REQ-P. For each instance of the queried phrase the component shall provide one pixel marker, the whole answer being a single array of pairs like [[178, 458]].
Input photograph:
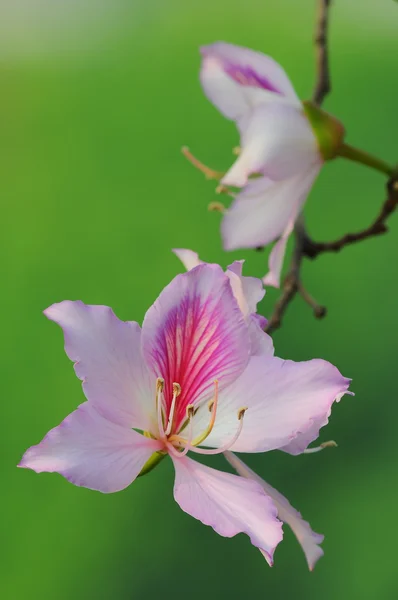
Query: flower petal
[[275, 260], [189, 258], [261, 342], [278, 142], [262, 211], [252, 288], [303, 439], [308, 539], [227, 503], [237, 79], [107, 355], [91, 451], [287, 403], [195, 334]]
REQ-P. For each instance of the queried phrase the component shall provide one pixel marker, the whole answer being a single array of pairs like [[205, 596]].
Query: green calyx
[[152, 462], [328, 130]]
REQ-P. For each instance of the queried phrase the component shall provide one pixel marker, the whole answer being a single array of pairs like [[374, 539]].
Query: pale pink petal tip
[[228, 503], [307, 538], [189, 258]]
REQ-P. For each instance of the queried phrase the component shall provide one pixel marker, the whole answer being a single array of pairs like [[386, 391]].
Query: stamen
[[207, 171], [213, 408], [176, 393], [216, 207], [224, 189], [185, 443], [159, 407], [226, 446], [190, 414], [329, 444]]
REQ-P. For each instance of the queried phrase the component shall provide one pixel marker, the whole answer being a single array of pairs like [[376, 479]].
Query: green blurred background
[[96, 100]]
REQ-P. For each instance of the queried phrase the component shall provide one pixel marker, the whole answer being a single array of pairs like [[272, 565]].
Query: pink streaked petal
[[227, 503], [189, 258], [308, 539], [195, 334], [107, 355], [91, 451], [284, 400], [237, 79], [262, 211], [278, 142]]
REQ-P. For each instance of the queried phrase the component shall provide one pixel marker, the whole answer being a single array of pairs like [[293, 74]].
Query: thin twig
[[323, 84], [312, 249], [291, 283]]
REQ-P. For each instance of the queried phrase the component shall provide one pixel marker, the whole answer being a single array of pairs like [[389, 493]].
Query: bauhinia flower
[[282, 141], [186, 382], [277, 142]]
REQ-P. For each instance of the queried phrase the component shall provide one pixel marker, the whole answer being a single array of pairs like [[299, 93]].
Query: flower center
[[179, 445]]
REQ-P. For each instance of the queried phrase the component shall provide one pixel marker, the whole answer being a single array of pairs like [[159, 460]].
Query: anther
[[190, 411], [159, 384], [176, 389], [241, 412], [329, 444], [216, 207], [176, 393]]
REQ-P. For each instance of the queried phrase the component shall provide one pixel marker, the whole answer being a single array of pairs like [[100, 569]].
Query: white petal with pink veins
[[195, 334]]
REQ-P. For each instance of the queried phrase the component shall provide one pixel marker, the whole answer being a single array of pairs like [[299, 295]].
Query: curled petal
[[90, 451], [189, 258], [278, 142], [308, 539], [227, 503], [107, 355], [263, 210], [252, 289], [302, 440], [286, 404], [195, 334], [275, 261], [237, 79]]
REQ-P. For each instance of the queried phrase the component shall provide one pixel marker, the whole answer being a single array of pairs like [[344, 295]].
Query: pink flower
[[277, 142], [186, 380]]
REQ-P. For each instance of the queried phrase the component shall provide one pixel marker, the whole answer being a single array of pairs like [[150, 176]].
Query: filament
[[159, 402], [213, 408], [176, 393]]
